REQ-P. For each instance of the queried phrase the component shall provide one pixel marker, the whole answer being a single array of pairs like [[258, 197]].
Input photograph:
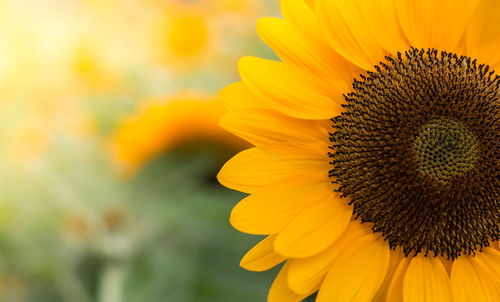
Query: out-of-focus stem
[[111, 283]]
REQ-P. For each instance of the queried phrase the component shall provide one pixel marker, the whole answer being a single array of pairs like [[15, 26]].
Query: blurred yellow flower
[[91, 70], [187, 35], [163, 124], [30, 139], [181, 34], [186, 32]]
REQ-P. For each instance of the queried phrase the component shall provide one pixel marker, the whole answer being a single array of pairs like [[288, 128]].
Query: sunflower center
[[417, 152], [445, 149]]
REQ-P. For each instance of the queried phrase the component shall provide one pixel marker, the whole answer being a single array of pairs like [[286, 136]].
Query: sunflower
[[182, 33], [164, 124], [376, 168], [186, 35]]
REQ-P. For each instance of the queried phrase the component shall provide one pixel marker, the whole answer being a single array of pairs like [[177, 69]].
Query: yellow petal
[[395, 290], [280, 292], [434, 24], [357, 273], [253, 168], [310, 98], [487, 271], [302, 51], [309, 158], [348, 33], [301, 15], [426, 280], [491, 257], [483, 33], [473, 4], [298, 13], [466, 283], [482, 265], [316, 228], [262, 256], [237, 96], [264, 126], [382, 19], [270, 209], [382, 294], [306, 274]]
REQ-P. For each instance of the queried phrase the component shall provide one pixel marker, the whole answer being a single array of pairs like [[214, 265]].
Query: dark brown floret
[[417, 152]]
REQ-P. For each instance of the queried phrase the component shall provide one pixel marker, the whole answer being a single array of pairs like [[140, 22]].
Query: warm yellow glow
[[238, 6], [188, 35], [30, 139], [92, 70], [56, 57]]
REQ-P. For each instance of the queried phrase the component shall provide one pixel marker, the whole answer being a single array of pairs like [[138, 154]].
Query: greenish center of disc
[[445, 148]]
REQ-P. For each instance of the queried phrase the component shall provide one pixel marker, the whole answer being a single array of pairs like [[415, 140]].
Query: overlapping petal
[[490, 257], [304, 51], [265, 126], [300, 14], [468, 284], [254, 168], [307, 273], [397, 257], [483, 33], [237, 96], [395, 290], [315, 228], [358, 271], [381, 17], [262, 256], [348, 33], [312, 97], [434, 24], [426, 279], [270, 210], [280, 292]]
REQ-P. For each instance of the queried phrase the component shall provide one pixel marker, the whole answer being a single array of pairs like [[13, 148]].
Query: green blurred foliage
[[170, 239]]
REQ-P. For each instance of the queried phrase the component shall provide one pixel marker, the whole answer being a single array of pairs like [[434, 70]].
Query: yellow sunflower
[[186, 34], [376, 166], [182, 33], [163, 124]]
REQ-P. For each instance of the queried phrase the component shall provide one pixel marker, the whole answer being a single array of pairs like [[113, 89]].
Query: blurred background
[[110, 147]]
